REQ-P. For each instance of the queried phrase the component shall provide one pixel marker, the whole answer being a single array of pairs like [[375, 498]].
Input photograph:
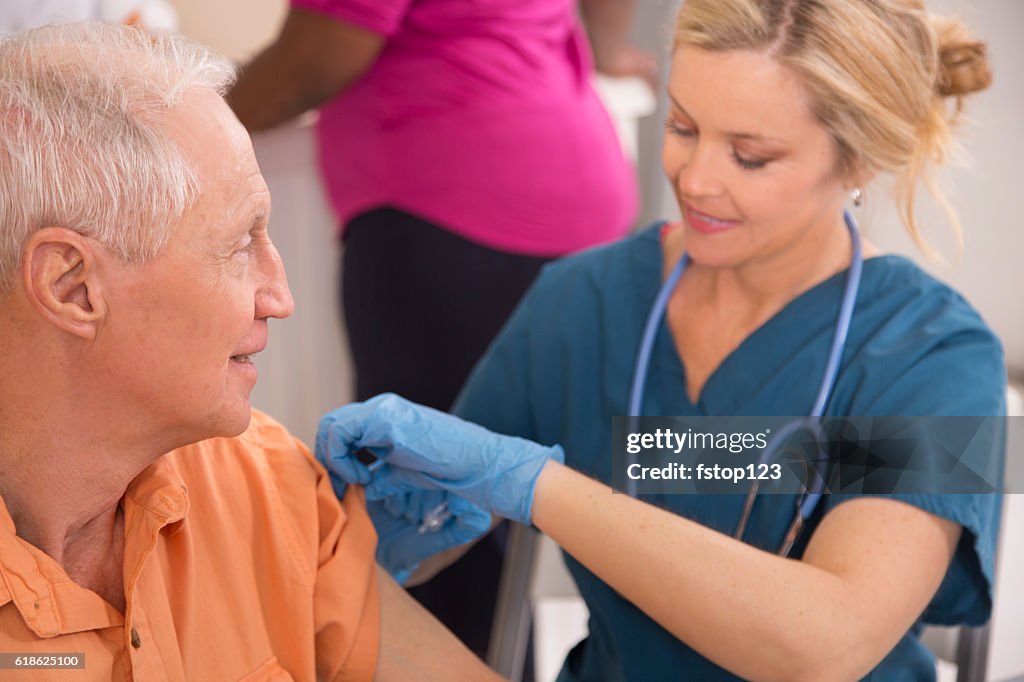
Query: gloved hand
[[403, 542], [424, 448]]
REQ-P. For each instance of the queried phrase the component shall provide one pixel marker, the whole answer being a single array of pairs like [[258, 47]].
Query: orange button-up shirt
[[239, 564]]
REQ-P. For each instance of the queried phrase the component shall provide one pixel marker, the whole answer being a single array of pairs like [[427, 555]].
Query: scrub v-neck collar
[[799, 323]]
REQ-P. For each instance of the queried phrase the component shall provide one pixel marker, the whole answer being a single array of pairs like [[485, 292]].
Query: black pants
[[421, 305]]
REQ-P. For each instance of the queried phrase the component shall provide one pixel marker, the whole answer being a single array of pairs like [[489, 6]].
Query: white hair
[[81, 140]]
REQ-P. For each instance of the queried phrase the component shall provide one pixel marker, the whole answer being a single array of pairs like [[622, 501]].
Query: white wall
[[237, 28]]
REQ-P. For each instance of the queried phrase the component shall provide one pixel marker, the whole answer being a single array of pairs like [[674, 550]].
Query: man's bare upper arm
[[416, 646]]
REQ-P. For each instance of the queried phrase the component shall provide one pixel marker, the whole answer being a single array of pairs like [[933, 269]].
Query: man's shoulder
[[262, 483]]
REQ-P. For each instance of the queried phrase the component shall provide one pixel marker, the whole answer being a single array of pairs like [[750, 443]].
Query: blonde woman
[[781, 111]]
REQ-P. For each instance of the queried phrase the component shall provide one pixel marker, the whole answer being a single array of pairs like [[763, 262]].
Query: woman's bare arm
[[313, 59], [869, 571]]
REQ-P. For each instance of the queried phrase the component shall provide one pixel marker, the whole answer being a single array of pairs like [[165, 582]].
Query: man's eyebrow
[[740, 135]]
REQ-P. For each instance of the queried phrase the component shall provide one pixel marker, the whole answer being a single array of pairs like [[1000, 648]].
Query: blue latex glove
[[431, 450], [401, 546]]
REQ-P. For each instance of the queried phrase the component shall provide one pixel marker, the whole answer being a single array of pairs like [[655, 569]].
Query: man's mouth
[[242, 358]]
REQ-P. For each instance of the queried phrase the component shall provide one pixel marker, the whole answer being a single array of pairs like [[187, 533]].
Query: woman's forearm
[[758, 615], [607, 23], [312, 60]]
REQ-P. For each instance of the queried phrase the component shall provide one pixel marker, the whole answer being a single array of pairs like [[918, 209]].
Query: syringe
[[433, 520]]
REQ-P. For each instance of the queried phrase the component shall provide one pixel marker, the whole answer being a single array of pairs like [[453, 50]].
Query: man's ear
[[59, 273]]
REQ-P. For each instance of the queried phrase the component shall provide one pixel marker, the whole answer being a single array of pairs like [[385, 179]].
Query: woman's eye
[[678, 129], [747, 163]]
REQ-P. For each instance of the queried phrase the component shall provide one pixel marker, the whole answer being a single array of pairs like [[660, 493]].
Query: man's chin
[[233, 422], [243, 421]]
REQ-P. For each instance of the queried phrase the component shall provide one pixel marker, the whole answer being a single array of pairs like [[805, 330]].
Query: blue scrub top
[[560, 370]]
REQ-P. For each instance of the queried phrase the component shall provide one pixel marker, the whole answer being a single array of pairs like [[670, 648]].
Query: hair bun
[[963, 61]]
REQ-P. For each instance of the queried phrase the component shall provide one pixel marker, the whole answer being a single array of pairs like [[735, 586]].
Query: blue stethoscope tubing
[[810, 494]]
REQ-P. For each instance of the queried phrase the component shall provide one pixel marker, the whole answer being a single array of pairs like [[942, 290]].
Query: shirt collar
[[161, 491], [48, 600]]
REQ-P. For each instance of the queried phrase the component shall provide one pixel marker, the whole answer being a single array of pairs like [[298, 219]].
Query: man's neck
[[94, 557], [64, 498], [57, 521]]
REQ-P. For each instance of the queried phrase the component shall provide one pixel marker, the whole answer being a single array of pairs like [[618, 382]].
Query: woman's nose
[[699, 174]]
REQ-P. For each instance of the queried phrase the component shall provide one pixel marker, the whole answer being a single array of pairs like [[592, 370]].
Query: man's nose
[[274, 298]]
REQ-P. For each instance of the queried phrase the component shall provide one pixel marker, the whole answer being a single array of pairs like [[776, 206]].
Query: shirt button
[[136, 642]]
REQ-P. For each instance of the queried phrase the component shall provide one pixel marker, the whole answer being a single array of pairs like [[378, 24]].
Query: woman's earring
[[858, 197]]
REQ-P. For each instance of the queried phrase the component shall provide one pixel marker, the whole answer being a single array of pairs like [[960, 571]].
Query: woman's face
[[755, 174]]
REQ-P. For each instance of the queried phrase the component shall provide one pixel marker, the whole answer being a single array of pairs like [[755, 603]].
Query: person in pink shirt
[[463, 147]]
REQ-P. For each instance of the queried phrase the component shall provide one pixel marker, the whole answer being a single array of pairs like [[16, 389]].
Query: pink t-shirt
[[479, 116]]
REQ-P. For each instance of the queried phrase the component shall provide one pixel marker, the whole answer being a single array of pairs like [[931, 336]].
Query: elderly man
[[149, 519]]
